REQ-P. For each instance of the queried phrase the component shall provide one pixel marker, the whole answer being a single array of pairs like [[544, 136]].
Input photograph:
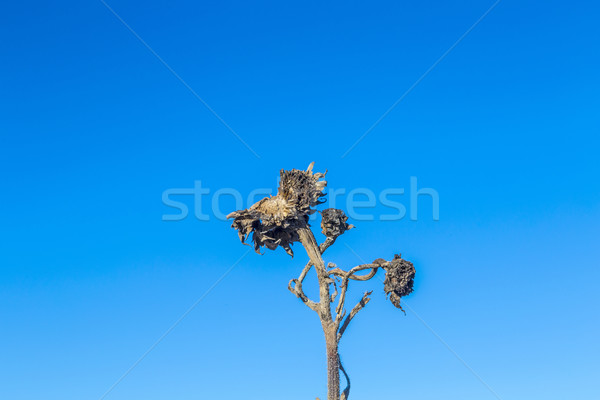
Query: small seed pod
[[333, 222], [399, 279]]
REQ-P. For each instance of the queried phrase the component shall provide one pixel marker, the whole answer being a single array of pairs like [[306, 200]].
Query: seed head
[[274, 221], [399, 279]]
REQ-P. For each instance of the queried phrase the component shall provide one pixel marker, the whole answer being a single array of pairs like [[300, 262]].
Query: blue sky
[[94, 128]]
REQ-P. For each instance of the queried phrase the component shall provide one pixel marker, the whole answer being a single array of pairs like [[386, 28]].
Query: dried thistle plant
[[282, 220]]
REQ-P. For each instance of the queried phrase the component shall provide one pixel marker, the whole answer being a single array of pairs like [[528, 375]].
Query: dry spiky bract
[[283, 220]]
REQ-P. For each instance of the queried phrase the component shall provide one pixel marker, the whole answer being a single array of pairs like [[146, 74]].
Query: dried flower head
[[333, 222], [302, 189], [399, 279], [273, 221]]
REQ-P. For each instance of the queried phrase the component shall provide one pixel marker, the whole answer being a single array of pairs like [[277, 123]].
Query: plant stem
[[333, 366], [329, 327]]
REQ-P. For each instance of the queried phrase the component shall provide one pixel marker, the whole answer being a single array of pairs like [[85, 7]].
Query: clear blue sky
[[94, 128]]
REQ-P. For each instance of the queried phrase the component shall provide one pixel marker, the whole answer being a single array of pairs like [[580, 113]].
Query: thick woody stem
[[324, 309], [331, 327]]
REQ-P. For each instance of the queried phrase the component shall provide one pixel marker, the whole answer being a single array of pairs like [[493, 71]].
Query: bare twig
[[335, 293], [346, 391], [296, 289], [363, 302], [322, 247], [340, 307], [351, 274], [346, 276]]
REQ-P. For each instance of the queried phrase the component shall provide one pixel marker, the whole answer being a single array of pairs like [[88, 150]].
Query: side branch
[[295, 285], [346, 392], [296, 289], [322, 247], [346, 276], [361, 304], [351, 274]]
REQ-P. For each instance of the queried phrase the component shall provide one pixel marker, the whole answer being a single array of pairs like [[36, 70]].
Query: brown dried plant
[[282, 220]]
